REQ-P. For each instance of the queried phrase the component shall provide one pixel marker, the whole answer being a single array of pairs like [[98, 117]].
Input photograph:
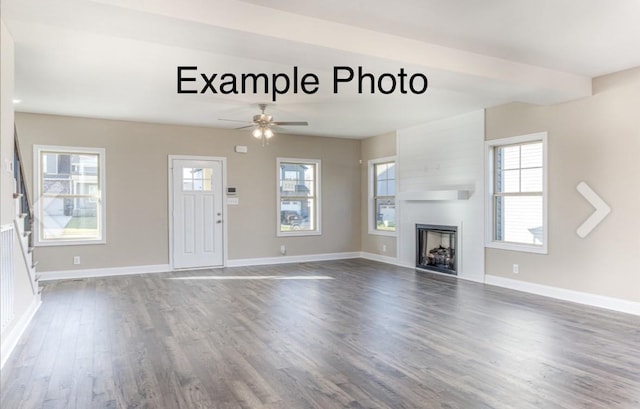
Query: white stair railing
[[24, 220]]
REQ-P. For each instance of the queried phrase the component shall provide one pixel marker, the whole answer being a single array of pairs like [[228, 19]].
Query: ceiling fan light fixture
[[262, 124]]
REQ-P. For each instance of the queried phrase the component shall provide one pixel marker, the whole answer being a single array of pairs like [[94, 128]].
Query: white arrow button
[[602, 210]]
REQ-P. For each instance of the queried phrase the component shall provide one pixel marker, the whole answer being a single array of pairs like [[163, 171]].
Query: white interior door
[[197, 213]]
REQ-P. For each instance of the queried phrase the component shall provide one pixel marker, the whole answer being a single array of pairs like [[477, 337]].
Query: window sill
[[525, 248], [383, 233], [69, 243], [298, 233]]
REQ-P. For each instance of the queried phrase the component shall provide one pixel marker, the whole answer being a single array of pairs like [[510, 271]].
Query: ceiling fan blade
[[290, 123], [234, 120], [246, 126]]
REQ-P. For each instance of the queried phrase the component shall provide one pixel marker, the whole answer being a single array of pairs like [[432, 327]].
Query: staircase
[[24, 215]]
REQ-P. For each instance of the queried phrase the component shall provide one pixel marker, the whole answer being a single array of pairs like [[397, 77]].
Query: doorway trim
[[223, 161]]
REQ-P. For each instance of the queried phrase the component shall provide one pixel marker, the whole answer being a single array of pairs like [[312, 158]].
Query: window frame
[[371, 207], [317, 198], [100, 200], [490, 167]]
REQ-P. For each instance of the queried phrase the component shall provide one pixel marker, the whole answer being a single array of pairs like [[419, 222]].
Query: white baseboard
[[595, 300], [386, 259], [291, 259], [12, 339], [406, 264], [380, 258], [103, 272]]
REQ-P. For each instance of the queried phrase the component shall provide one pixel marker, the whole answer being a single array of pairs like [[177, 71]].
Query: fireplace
[[436, 248]]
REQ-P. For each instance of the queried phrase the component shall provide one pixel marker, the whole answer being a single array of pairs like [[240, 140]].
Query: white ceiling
[[118, 58]]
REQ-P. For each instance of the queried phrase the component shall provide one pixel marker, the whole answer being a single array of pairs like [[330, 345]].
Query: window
[[382, 196], [196, 179], [298, 197], [517, 188], [69, 195]]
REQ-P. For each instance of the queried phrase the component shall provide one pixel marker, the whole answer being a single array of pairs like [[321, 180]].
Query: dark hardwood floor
[[352, 334]]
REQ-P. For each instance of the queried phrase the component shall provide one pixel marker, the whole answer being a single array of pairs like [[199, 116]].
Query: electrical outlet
[[283, 249], [516, 269], [76, 259], [384, 248]]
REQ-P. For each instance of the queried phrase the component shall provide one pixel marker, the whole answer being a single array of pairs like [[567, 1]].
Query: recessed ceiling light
[[17, 101]]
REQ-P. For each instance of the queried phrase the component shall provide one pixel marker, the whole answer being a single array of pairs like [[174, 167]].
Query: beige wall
[[374, 148], [137, 191], [596, 140]]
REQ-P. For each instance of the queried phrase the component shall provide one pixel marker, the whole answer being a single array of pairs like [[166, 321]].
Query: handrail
[[25, 209], [22, 191]]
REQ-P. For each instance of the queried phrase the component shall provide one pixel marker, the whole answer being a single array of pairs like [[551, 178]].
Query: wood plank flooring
[[338, 334]]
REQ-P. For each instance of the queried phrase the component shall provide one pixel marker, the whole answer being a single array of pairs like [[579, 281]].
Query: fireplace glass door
[[436, 248]]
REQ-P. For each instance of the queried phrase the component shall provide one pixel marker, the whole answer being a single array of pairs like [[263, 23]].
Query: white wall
[[7, 211], [448, 153], [25, 302]]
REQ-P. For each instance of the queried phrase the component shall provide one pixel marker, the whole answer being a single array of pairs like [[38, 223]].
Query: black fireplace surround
[[436, 248]]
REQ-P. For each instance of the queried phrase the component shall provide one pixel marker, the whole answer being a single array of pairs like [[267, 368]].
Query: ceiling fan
[[262, 124]]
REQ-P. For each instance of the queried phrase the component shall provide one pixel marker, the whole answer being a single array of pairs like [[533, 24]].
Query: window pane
[[64, 164], [69, 165], [518, 219], [308, 189], [391, 187], [85, 165], [532, 180], [68, 202], [384, 186], [56, 186], [297, 179], [297, 214], [198, 179], [298, 197], [391, 173], [385, 214], [385, 171], [532, 155], [309, 172], [50, 163], [86, 188], [509, 181], [288, 187], [292, 188], [69, 218], [381, 188], [510, 156]]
